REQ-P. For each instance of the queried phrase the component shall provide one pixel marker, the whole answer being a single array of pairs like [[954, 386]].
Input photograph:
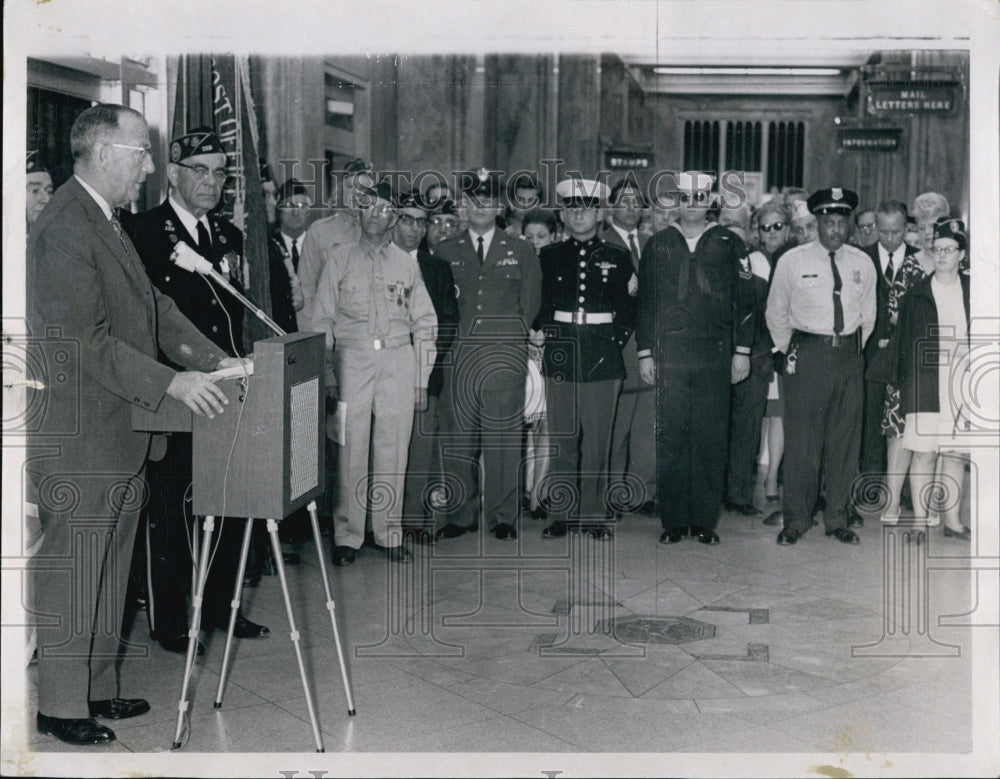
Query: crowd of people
[[496, 352]]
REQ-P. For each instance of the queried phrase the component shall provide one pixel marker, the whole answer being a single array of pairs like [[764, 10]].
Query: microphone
[[183, 256]]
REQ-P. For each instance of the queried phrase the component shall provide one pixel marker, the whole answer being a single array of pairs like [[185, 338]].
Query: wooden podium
[[262, 458]]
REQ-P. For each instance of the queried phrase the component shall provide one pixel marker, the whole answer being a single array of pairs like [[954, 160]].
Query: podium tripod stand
[[262, 458]]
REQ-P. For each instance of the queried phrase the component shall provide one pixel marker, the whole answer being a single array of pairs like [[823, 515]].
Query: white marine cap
[[694, 180], [586, 190]]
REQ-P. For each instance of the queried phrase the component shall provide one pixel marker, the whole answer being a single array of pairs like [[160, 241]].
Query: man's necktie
[[479, 249], [838, 307], [634, 248], [888, 269], [117, 227], [295, 254], [204, 242]]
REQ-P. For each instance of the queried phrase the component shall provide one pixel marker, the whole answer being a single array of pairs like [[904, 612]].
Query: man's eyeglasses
[[866, 228], [773, 227], [945, 251], [382, 210], [146, 150], [290, 206], [698, 197], [440, 221], [413, 221], [202, 173]]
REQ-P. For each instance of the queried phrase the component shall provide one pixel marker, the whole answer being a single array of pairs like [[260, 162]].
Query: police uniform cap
[[201, 140], [585, 192], [834, 200], [481, 183]]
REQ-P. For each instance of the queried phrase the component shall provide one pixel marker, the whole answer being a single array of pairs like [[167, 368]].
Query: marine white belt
[[584, 318]]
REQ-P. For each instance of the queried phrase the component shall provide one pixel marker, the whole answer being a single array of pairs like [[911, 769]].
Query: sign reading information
[[911, 100], [868, 138]]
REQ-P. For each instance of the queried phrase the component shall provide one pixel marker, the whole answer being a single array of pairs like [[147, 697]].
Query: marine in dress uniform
[[325, 235], [423, 464], [373, 307], [694, 329], [586, 315], [633, 443], [196, 173], [820, 311], [498, 285]]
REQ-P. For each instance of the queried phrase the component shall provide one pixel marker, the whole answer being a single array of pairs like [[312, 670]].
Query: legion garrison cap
[[34, 164], [832, 201], [201, 140]]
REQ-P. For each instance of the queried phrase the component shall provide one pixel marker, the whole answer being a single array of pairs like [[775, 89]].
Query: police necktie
[[632, 247], [295, 254], [479, 249], [838, 307], [204, 242], [888, 269]]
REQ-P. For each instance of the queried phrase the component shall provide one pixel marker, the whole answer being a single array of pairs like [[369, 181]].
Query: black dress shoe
[[743, 509], [648, 509], [290, 558], [451, 530], [788, 536], [774, 518], [539, 514], [503, 531], [76, 731], [246, 629], [397, 554], [673, 535], [843, 535], [344, 555], [855, 520], [556, 530], [119, 708], [179, 643], [708, 537]]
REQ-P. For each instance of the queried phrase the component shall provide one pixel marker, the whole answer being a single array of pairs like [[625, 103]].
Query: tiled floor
[[576, 646]]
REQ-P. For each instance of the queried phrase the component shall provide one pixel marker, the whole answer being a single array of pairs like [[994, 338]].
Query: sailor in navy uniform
[[586, 317], [694, 329], [197, 175]]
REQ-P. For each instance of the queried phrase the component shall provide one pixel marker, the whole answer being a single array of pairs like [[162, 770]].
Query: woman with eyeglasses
[[931, 352], [927, 209]]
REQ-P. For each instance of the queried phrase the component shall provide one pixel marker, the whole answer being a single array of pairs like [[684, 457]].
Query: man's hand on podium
[[420, 399], [198, 392]]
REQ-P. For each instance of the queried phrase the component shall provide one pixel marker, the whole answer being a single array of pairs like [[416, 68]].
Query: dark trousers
[[81, 574], [822, 416], [633, 443], [487, 422], [169, 527], [873, 450], [747, 406], [580, 417], [692, 419], [423, 464]]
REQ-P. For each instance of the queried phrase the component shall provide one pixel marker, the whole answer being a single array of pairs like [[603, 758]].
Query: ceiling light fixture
[[689, 71]]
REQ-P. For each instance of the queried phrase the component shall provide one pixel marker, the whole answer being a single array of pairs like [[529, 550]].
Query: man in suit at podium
[[86, 288], [498, 282], [196, 174], [633, 443]]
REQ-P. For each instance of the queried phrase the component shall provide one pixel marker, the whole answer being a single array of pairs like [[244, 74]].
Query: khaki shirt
[[369, 292], [322, 237], [801, 296]]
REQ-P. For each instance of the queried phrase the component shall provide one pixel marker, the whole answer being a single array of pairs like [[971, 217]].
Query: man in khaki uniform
[[379, 321]]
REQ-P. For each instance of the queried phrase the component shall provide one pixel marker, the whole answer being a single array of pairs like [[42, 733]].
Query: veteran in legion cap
[[39, 187], [820, 312]]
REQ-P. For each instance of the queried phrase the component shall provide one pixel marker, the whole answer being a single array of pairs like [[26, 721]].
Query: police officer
[[378, 319], [588, 314], [820, 311], [423, 464], [498, 285], [694, 328], [325, 235], [196, 174]]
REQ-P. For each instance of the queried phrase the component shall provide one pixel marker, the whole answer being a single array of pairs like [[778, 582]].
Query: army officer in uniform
[[694, 329], [586, 306]]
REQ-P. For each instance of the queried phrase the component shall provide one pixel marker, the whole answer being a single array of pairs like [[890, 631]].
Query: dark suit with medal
[[154, 233], [484, 394], [695, 309], [587, 315]]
